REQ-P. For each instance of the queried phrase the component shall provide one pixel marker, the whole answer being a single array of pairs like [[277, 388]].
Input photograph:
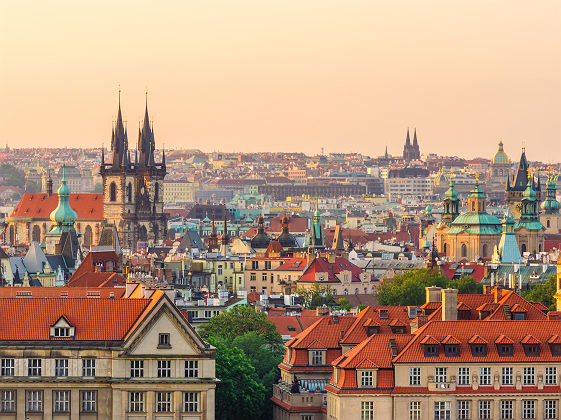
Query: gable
[[182, 338]]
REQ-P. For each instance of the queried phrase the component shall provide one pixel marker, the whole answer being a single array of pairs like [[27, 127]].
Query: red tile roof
[[485, 332], [88, 206], [65, 292], [97, 279], [322, 265], [94, 319]]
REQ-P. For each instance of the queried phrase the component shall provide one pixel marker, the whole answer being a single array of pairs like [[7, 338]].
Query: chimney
[[418, 322], [433, 294], [449, 304], [331, 258]]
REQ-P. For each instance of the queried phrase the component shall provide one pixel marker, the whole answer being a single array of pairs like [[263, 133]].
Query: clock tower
[[133, 190]]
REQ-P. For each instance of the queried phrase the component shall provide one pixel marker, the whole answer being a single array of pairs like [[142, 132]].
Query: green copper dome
[[63, 216], [500, 156], [451, 193], [550, 204], [529, 193], [477, 191]]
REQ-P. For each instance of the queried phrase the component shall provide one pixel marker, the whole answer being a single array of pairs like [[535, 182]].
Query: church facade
[[133, 188]]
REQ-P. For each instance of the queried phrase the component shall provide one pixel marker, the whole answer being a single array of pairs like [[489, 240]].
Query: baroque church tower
[[133, 190]]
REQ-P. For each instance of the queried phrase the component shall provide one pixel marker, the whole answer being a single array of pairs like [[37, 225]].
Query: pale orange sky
[[269, 75]]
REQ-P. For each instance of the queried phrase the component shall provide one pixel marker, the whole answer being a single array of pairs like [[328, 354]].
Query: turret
[[451, 203]]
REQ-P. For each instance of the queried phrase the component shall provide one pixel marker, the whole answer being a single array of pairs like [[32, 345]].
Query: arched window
[[484, 251], [464, 250], [548, 223], [36, 234], [12, 235], [142, 234], [88, 235], [157, 192], [346, 291], [129, 192], [523, 248], [472, 206], [540, 247], [113, 192], [444, 249]]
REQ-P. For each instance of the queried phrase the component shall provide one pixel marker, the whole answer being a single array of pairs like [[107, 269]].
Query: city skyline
[[272, 77]]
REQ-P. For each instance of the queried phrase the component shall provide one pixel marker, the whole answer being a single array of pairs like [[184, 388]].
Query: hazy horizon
[[245, 75]]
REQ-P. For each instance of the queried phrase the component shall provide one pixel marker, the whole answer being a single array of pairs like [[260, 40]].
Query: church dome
[[63, 215], [529, 193], [261, 240], [286, 239], [500, 157]]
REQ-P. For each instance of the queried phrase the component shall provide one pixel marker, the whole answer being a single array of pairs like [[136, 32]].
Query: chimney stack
[[450, 305], [433, 294]]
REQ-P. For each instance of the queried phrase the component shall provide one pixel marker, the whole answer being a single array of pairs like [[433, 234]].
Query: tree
[[344, 304], [466, 285], [12, 175], [240, 320], [265, 360], [316, 295], [239, 394], [543, 293], [408, 287], [361, 307]]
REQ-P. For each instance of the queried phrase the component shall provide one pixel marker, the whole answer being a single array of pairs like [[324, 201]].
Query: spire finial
[[119, 95]]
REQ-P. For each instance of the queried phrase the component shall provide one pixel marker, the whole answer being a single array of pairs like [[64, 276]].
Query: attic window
[[291, 328], [479, 350], [505, 350], [62, 332], [452, 350], [383, 314], [164, 341], [532, 350], [431, 350]]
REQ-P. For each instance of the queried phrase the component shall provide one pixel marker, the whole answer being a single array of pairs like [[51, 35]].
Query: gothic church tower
[[133, 191]]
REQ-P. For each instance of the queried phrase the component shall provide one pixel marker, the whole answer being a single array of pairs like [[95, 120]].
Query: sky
[[286, 75]]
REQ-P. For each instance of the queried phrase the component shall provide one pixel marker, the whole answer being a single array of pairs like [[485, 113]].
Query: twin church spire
[[144, 154]]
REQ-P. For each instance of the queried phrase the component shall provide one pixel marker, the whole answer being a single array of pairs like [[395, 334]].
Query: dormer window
[[383, 314], [431, 350], [62, 332], [62, 329], [505, 350], [532, 350], [452, 350], [479, 350]]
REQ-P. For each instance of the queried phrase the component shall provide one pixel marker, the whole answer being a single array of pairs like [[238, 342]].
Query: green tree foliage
[[315, 296], [240, 394], [344, 304], [543, 293], [361, 307], [408, 288], [12, 175], [248, 331], [240, 320], [466, 285]]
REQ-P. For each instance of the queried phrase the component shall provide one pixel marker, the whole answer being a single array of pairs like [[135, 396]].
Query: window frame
[[464, 376], [162, 403], [529, 376], [61, 371], [34, 405], [34, 365], [507, 410], [414, 410], [6, 370], [464, 409], [191, 368], [164, 341], [552, 411], [485, 372], [551, 375], [57, 401], [163, 368], [507, 372], [88, 401], [367, 410], [191, 404], [440, 374], [414, 376], [88, 367], [366, 379], [137, 402], [528, 409], [136, 368], [485, 410], [4, 402]]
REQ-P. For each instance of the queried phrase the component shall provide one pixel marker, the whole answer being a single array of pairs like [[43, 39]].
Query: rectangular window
[[252, 277], [137, 368], [529, 376], [442, 410], [191, 368], [34, 401], [264, 277], [163, 402], [463, 376], [163, 340], [463, 410], [485, 376], [366, 379], [484, 409], [551, 375], [440, 374], [219, 270], [88, 367], [33, 367], [550, 409], [136, 402], [367, 410], [164, 368], [191, 402], [62, 332], [414, 410], [506, 376], [8, 401], [528, 409], [8, 367], [317, 357], [208, 314], [507, 409], [61, 401], [88, 401], [61, 367], [415, 376]]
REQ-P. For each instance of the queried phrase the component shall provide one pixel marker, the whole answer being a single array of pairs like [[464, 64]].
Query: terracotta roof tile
[[39, 206]]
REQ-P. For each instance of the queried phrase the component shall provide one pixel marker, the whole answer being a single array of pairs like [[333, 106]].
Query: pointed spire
[[407, 140], [415, 138]]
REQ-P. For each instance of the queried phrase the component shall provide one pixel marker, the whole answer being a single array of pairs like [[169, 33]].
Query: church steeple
[[119, 141], [146, 144]]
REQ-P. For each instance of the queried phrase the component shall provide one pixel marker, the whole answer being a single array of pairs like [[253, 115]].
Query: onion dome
[[500, 156], [261, 240], [477, 191], [286, 239], [529, 193], [451, 193], [550, 204], [64, 216]]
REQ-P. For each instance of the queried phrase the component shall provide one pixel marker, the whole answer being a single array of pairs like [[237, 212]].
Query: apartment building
[[69, 358]]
